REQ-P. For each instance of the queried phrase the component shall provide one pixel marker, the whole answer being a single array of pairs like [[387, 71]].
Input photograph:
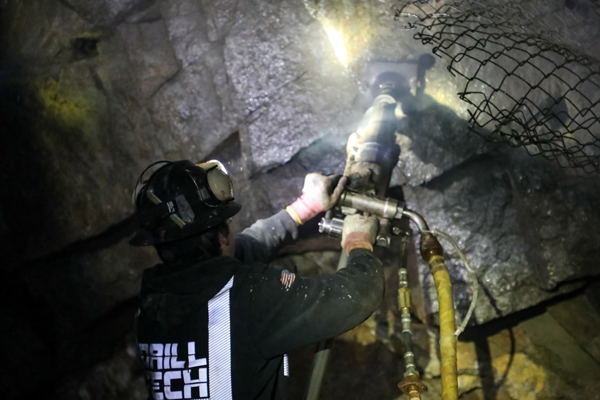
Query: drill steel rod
[[322, 353]]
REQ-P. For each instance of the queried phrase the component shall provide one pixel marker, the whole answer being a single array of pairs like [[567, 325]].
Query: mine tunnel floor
[[551, 351]]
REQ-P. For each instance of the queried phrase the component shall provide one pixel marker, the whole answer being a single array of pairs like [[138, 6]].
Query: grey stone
[[152, 58], [433, 139], [87, 132], [292, 88], [196, 109], [106, 12], [264, 194], [33, 50], [501, 208], [284, 184]]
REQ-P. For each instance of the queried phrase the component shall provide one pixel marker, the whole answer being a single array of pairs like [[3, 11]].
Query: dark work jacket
[[244, 316]]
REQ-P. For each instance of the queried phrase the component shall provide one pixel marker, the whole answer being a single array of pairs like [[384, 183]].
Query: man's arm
[[284, 315], [261, 241], [286, 312]]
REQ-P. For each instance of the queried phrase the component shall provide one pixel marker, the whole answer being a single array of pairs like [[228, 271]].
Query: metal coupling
[[411, 368], [402, 277], [384, 208], [406, 320], [332, 227], [384, 234]]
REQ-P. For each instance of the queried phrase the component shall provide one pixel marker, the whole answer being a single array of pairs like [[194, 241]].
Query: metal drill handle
[[382, 207]]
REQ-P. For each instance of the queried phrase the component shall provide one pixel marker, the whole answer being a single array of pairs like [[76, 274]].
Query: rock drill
[[372, 153]]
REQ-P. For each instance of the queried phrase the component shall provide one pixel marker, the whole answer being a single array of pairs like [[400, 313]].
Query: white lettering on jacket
[[173, 378]]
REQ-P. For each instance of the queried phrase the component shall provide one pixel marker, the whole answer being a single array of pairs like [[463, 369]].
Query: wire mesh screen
[[529, 75]]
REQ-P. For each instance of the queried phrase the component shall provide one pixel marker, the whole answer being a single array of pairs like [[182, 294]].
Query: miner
[[215, 320]]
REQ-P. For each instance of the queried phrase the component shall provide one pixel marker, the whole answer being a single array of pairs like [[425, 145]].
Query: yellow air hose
[[432, 253]]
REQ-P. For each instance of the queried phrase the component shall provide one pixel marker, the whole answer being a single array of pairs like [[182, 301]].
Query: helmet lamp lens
[[220, 185]]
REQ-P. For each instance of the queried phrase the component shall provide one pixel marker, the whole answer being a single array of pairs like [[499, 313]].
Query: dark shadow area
[[485, 369], [489, 386], [354, 371], [41, 358], [510, 321], [28, 341], [22, 187], [83, 48], [98, 341], [104, 240]]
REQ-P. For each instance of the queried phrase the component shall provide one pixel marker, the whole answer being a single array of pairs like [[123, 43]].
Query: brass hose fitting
[[430, 247], [412, 386]]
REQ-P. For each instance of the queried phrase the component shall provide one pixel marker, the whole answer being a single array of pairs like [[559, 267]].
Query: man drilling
[[215, 320]]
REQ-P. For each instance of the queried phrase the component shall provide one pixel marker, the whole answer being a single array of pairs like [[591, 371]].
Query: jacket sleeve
[[282, 317], [261, 241]]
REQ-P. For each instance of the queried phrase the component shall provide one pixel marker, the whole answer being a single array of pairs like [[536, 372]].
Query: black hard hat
[[182, 199]]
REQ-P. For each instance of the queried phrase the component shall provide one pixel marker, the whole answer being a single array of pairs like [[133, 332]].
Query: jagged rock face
[[107, 12], [517, 220], [93, 91]]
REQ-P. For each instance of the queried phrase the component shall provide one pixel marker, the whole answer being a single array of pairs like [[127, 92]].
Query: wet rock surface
[[93, 91]]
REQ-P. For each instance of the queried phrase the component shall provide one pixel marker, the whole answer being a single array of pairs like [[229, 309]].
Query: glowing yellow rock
[[523, 377], [70, 109]]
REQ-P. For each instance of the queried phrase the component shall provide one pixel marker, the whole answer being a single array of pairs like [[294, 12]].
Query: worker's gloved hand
[[320, 193], [359, 232]]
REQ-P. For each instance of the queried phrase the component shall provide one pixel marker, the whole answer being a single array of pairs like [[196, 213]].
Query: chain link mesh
[[530, 77]]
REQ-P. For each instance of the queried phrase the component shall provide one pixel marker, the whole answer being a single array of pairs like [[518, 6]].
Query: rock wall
[[93, 91]]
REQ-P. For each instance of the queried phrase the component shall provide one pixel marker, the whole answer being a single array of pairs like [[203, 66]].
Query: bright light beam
[[335, 37]]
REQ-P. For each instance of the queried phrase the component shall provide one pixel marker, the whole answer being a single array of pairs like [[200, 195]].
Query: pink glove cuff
[[357, 240], [306, 207]]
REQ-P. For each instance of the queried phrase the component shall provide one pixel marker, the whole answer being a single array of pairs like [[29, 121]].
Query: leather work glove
[[359, 232], [320, 193]]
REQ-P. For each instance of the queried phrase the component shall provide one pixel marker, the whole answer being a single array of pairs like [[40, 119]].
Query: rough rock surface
[[519, 220], [107, 12], [286, 81], [93, 91], [532, 356]]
